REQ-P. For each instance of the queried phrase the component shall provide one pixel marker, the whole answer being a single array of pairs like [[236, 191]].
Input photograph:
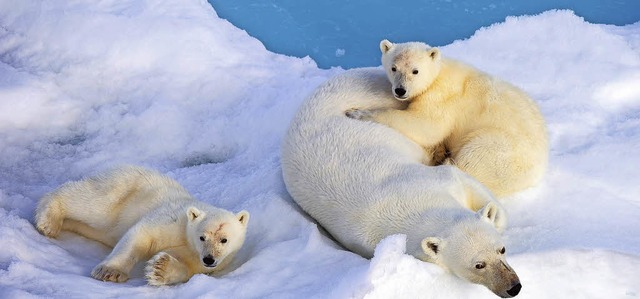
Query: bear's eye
[[502, 250], [223, 240], [415, 72], [202, 238], [480, 265], [393, 69]]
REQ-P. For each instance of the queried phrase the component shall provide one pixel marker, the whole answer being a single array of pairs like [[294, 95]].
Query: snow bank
[[87, 85]]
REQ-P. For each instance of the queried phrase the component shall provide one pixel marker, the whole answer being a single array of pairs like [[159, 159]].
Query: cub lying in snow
[[143, 214]]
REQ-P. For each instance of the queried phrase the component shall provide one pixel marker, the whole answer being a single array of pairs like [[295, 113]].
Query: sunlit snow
[[87, 85]]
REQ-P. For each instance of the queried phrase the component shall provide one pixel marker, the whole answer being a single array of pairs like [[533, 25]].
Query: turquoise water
[[347, 33]]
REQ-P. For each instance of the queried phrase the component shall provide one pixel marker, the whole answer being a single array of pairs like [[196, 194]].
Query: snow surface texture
[[88, 85]]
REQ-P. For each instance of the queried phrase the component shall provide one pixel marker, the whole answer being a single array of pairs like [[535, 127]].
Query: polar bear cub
[[144, 215], [484, 126]]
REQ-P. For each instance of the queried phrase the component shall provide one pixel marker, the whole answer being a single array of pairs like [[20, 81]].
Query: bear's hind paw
[[106, 273], [48, 228]]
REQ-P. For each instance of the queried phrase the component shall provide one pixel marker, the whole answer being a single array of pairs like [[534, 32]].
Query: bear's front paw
[[439, 156], [359, 114], [164, 269], [106, 273]]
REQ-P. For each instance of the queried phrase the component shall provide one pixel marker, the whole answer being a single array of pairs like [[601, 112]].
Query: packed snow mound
[[88, 85]]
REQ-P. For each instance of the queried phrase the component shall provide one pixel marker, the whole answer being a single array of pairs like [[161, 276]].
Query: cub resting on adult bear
[[484, 126], [363, 181], [143, 214]]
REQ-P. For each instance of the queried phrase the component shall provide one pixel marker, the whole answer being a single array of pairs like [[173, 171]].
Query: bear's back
[[353, 176]]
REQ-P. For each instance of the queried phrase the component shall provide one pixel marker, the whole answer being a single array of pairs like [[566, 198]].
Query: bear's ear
[[193, 213], [434, 53], [243, 217], [385, 46], [431, 246], [493, 214]]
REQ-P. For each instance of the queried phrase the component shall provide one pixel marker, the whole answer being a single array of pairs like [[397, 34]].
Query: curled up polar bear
[[487, 127], [144, 215], [363, 181]]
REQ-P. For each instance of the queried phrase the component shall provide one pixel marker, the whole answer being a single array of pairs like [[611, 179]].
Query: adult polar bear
[[363, 181]]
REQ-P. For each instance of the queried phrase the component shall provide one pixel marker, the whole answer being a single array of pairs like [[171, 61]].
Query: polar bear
[[363, 181], [485, 126], [143, 214]]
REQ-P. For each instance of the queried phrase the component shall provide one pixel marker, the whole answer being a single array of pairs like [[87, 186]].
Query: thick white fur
[[491, 129], [363, 181], [143, 214]]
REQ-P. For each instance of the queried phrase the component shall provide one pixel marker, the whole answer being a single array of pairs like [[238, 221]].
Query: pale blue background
[[347, 33]]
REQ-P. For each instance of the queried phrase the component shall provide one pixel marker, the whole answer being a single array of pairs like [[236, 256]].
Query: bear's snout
[[209, 261], [400, 92], [514, 290]]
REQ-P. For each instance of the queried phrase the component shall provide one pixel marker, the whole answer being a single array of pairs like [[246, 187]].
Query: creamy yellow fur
[[490, 129], [143, 214]]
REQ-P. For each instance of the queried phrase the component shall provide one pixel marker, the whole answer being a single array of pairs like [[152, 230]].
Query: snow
[[88, 85]]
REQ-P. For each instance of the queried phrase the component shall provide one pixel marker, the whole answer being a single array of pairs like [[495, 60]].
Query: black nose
[[208, 260], [399, 91], [515, 290]]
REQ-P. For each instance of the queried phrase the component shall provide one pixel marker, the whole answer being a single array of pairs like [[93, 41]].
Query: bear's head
[[216, 234], [473, 250], [411, 67]]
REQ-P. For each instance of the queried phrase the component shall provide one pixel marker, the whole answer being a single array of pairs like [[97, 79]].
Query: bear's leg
[[134, 246], [489, 157], [50, 215], [89, 232], [80, 201], [424, 132], [164, 269]]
